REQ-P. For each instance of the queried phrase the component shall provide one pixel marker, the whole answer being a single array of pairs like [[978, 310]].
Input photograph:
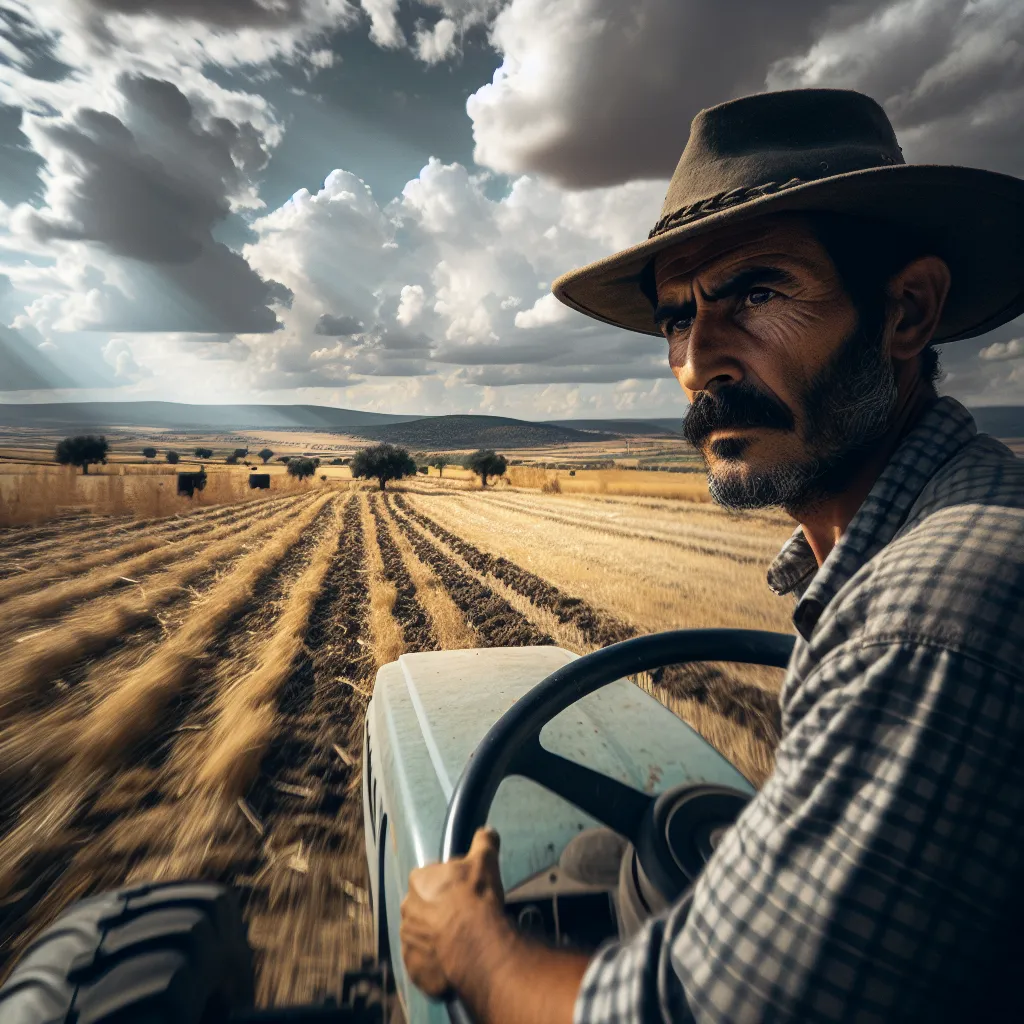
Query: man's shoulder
[[983, 473], [953, 576]]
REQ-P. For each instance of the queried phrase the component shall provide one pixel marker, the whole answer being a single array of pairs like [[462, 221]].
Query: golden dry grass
[[129, 745], [449, 624], [132, 710], [58, 596], [245, 713], [386, 641], [31, 494], [33, 660], [627, 482], [604, 553]]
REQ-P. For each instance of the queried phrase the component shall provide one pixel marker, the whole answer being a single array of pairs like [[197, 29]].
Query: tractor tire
[[169, 953]]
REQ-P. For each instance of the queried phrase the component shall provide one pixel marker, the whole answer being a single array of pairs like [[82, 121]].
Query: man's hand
[[452, 918], [457, 940]]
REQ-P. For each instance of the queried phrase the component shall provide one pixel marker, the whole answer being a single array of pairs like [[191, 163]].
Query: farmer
[[802, 275]]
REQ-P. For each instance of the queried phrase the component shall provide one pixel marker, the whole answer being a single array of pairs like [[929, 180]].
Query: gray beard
[[847, 407]]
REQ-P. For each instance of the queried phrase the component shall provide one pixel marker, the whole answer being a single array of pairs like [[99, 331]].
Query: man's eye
[[678, 324], [759, 296]]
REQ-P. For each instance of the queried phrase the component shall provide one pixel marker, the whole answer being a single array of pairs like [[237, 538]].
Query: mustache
[[738, 405]]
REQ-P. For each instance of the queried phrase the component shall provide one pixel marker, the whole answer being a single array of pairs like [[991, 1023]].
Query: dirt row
[[599, 629], [306, 901], [118, 826], [498, 623], [416, 629], [747, 706]]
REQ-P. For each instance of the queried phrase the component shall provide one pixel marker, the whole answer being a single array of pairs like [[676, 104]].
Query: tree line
[[381, 462]]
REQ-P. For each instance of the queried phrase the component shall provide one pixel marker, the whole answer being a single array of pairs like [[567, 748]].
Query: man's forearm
[[510, 980]]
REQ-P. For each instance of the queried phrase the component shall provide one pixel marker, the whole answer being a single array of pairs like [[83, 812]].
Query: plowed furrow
[[68, 557], [118, 736], [408, 610], [61, 597], [747, 706], [497, 622], [598, 628], [54, 656], [94, 550]]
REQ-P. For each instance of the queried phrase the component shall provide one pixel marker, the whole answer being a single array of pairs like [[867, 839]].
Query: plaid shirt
[[878, 874]]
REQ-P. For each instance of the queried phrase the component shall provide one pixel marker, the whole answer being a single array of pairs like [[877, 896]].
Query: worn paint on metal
[[428, 714]]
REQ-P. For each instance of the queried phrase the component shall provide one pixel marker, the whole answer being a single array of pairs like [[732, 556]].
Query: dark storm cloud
[[155, 190], [337, 326], [151, 186], [604, 92], [625, 81], [216, 293]]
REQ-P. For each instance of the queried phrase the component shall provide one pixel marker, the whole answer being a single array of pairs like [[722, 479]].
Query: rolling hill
[[498, 432], [623, 428], [179, 416]]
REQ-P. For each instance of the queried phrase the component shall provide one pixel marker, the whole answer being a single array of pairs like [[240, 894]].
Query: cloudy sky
[[364, 202]]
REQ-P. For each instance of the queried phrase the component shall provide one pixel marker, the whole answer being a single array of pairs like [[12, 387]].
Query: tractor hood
[[430, 711]]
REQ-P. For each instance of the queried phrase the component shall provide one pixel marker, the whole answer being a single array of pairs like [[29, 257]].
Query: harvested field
[[183, 694]]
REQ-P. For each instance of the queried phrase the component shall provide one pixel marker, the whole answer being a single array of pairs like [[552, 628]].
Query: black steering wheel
[[513, 747]]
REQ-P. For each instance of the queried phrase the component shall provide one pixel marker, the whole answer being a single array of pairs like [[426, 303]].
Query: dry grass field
[[183, 690]]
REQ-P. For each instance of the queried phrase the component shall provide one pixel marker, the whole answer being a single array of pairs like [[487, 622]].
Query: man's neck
[[827, 522]]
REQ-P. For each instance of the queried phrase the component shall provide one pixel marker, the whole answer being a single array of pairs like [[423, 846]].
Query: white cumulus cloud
[[410, 304], [999, 351]]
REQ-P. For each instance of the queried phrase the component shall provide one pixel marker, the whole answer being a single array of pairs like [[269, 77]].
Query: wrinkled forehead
[[784, 238]]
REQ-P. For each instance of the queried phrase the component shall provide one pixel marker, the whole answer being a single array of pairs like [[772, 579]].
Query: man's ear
[[918, 294]]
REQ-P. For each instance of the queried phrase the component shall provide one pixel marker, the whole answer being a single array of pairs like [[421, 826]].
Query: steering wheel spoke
[[622, 808]]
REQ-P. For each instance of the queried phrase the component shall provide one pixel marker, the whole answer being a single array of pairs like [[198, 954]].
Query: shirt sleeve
[[867, 879]]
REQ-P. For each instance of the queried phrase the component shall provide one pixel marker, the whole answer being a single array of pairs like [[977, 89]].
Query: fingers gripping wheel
[[673, 834], [663, 829], [174, 953]]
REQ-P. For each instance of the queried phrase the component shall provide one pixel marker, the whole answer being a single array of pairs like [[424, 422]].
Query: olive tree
[[265, 454], [172, 458], [439, 462], [149, 453], [383, 462], [486, 463], [301, 468], [82, 450], [203, 453]]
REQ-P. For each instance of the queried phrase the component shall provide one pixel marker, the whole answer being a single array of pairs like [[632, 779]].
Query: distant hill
[[1000, 420], [499, 432], [624, 428], [178, 416]]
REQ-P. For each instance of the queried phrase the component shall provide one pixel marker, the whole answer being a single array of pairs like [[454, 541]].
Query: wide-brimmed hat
[[823, 150]]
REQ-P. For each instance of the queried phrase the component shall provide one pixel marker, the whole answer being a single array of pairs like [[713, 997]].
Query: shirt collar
[[940, 433]]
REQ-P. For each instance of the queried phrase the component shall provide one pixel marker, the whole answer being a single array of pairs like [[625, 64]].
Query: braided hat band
[[705, 207], [822, 151]]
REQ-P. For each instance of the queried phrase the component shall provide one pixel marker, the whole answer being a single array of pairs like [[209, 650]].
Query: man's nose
[[710, 358]]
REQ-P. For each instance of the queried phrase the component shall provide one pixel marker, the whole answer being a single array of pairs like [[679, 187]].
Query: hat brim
[[974, 218]]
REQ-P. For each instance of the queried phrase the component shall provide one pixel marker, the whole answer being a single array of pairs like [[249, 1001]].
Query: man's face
[[787, 388]]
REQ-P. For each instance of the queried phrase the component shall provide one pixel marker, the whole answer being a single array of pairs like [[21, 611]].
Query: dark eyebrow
[[747, 278], [737, 284]]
